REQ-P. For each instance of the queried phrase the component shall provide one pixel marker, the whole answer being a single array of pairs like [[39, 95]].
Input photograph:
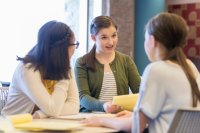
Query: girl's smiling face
[[106, 40]]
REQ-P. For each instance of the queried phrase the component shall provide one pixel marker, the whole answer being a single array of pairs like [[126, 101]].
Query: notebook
[[128, 102], [26, 122]]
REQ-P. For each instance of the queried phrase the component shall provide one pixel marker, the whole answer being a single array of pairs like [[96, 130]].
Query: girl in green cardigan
[[104, 72]]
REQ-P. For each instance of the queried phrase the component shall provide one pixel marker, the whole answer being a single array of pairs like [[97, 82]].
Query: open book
[[26, 122], [126, 101]]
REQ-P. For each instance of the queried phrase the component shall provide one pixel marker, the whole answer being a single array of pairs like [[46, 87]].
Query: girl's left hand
[[124, 113]]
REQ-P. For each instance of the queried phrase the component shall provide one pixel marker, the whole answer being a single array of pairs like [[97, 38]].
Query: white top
[[164, 88], [109, 88], [27, 89]]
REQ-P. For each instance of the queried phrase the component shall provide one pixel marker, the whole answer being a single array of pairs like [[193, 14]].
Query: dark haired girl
[[43, 83]]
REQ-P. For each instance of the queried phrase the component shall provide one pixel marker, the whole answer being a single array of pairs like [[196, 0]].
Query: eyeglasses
[[76, 44]]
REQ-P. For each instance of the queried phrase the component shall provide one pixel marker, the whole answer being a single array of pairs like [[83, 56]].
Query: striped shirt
[[109, 88]]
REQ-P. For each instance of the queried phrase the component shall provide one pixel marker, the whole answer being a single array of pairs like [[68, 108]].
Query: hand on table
[[124, 113], [36, 115], [111, 108], [93, 121]]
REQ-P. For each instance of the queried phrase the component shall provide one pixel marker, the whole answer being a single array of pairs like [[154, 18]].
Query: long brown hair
[[96, 25], [50, 55], [171, 30]]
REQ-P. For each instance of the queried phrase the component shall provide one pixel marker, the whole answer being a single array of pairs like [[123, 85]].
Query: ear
[[93, 38], [153, 41]]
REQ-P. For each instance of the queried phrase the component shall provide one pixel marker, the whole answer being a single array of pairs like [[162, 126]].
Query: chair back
[[186, 121], [3, 96]]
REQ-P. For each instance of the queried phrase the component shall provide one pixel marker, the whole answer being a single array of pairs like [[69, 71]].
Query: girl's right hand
[[36, 115]]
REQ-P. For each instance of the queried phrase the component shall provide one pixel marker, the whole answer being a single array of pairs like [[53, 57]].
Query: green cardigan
[[90, 83]]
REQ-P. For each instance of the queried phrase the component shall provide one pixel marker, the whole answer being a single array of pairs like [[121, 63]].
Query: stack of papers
[[128, 102], [26, 122], [82, 116]]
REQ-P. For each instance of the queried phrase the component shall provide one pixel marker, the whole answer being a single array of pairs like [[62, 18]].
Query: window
[[21, 20]]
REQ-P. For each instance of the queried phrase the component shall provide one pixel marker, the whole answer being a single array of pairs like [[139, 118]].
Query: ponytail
[[178, 56]]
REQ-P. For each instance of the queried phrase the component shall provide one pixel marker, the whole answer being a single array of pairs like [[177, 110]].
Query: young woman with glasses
[[43, 83]]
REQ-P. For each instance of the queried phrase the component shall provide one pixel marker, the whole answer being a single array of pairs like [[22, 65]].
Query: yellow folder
[[20, 118], [26, 122], [126, 101]]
